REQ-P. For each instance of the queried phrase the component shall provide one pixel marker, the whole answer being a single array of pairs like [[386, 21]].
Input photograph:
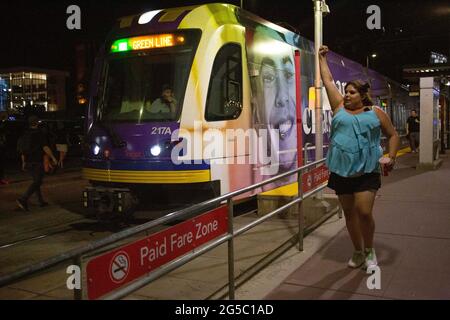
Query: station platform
[[412, 241], [412, 237]]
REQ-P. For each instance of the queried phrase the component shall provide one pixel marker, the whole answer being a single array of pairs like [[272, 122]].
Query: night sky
[[34, 33]]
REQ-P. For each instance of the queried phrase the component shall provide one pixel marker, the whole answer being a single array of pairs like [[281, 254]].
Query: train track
[[22, 241], [52, 230], [240, 209]]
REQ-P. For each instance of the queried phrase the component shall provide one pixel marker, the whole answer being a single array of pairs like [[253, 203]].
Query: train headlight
[[96, 149], [155, 150]]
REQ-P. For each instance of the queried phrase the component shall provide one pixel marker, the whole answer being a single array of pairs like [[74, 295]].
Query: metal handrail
[[400, 136], [74, 254], [136, 285], [309, 146]]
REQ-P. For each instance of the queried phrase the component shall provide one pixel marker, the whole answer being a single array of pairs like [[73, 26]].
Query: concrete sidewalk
[[412, 241]]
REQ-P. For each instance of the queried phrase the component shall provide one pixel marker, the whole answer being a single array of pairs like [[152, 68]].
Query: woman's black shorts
[[344, 185]]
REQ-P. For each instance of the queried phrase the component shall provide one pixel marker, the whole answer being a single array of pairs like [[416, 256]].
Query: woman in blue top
[[353, 158]]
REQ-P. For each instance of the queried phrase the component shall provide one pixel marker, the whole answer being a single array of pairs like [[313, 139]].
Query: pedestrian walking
[[33, 145], [354, 158]]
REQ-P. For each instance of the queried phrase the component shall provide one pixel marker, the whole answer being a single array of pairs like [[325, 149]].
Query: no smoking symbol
[[120, 266]]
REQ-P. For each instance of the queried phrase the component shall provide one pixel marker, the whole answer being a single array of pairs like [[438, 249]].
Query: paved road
[[28, 237]]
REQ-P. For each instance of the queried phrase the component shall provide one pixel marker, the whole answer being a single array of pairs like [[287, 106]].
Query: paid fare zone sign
[[314, 178], [114, 269]]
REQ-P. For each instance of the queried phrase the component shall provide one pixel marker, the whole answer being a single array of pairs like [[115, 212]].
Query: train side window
[[224, 101]]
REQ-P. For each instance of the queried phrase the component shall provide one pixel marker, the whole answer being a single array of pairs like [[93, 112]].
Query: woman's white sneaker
[[371, 258], [357, 259]]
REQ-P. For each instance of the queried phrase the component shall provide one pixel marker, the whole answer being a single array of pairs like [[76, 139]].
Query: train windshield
[[146, 79]]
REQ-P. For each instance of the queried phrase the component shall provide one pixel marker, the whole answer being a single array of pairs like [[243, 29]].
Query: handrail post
[[305, 156], [78, 293], [301, 216], [230, 250]]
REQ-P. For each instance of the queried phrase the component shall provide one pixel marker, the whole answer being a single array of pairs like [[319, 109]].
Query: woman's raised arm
[[334, 96]]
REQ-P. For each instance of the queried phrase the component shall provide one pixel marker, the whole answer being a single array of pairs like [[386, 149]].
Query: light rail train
[[194, 102]]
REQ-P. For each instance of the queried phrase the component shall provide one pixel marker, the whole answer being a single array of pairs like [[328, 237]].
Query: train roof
[[170, 19], [218, 14]]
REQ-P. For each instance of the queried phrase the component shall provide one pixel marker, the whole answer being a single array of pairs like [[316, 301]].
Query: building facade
[[39, 88]]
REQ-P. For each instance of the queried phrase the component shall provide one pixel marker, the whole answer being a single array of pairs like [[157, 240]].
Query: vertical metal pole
[[301, 216], [230, 251], [78, 293], [442, 117], [317, 82], [298, 106], [318, 17]]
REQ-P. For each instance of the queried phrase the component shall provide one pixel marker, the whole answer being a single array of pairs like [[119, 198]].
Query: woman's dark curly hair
[[363, 89]]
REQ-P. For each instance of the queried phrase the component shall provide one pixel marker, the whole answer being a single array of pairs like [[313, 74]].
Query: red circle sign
[[119, 267]]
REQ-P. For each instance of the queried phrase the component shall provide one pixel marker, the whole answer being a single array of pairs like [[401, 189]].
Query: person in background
[[49, 130], [61, 143], [413, 130], [32, 146]]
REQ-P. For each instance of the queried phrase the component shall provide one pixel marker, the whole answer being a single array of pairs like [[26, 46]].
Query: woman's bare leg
[[352, 220], [363, 205]]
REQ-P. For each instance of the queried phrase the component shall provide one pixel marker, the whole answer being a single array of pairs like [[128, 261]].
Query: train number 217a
[[161, 130]]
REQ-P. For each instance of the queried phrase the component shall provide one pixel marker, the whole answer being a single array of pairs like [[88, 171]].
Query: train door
[[220, 129], [226, 119]]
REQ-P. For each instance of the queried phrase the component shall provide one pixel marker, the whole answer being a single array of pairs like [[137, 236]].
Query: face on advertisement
[[277, 76]]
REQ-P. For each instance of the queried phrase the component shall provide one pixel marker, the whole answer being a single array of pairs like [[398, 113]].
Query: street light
[[373, 55]]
